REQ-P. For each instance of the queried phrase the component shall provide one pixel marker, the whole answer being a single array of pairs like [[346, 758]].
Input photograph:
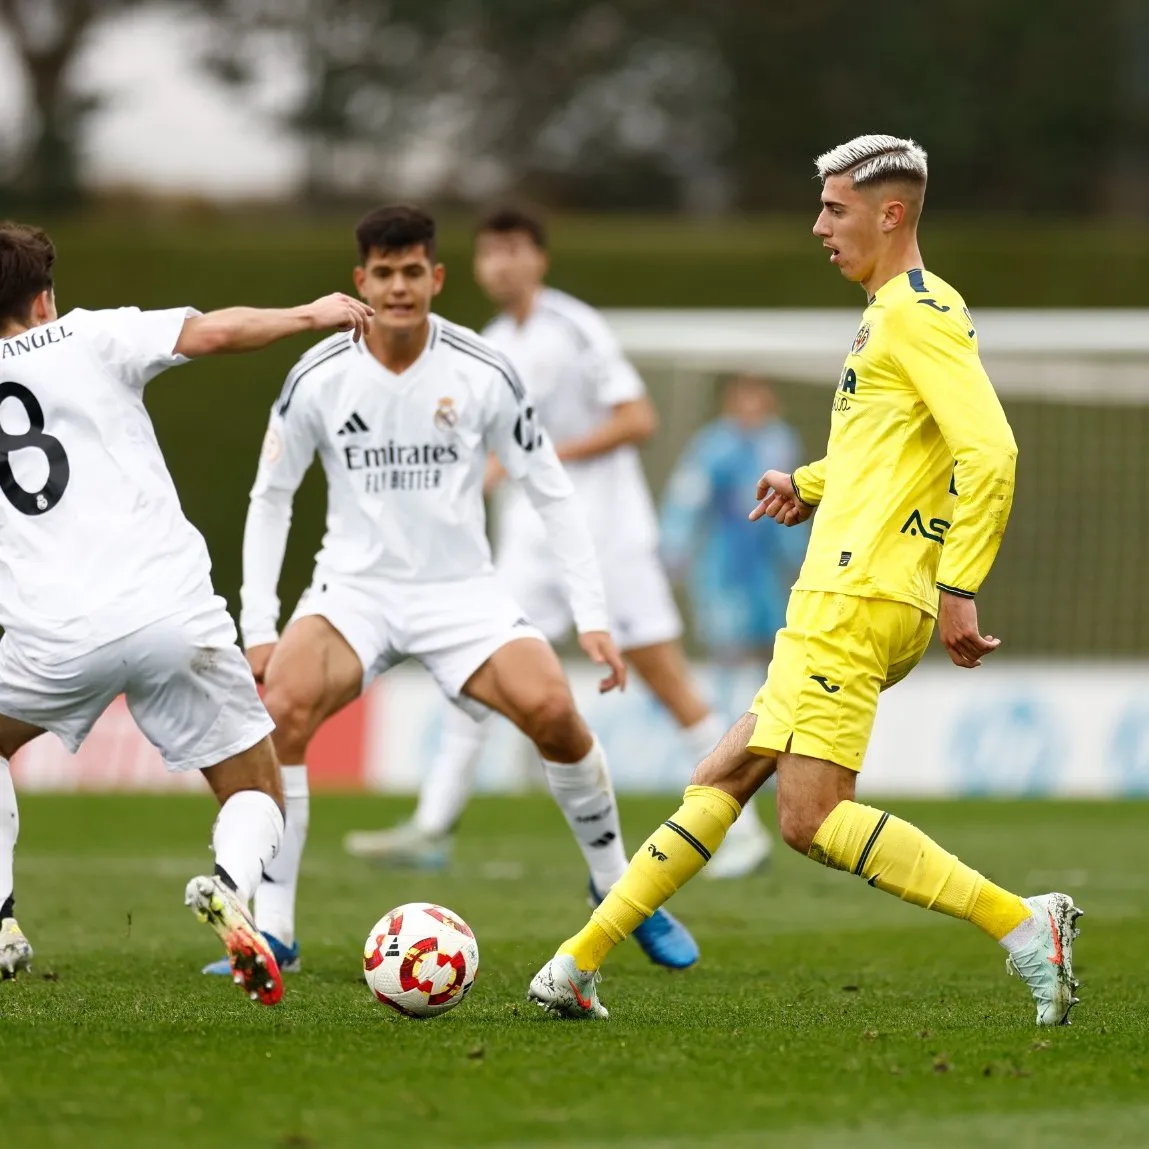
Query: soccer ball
[[421, 959]]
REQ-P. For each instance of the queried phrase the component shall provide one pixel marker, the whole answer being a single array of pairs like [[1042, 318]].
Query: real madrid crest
[[860, 338], [446, 416]]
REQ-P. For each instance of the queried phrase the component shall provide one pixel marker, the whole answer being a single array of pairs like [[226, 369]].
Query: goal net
[[1073, 573]]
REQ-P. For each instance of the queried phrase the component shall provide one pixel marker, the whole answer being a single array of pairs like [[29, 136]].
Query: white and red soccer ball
[[421, 959]]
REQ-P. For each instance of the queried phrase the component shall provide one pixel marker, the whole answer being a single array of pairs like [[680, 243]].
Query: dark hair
[[395, 228], [26, 258], [509, 220]]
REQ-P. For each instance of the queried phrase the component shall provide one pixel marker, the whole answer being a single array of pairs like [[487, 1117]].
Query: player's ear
[[893, 213], [438, 276], [44, 308], [359, 278]]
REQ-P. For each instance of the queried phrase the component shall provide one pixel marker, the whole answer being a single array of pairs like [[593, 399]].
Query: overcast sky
[[166, 124]]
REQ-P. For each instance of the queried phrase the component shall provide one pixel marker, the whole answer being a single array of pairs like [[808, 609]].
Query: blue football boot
[[287, 958], [662, 937]]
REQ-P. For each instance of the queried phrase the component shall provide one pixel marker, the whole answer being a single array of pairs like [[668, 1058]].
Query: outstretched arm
[[235, 329]]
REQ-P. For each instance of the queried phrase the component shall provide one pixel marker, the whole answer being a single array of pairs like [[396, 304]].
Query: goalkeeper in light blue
[[738, 573]]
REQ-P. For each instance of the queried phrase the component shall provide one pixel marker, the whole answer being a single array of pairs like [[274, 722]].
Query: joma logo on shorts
[[655, 852], [825, 684], [915, 525]]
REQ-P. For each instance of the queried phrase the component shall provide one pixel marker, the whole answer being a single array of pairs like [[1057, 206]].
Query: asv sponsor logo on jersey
[[936, 530]]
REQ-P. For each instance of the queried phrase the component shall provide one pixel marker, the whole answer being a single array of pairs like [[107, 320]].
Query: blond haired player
[[920, 455]]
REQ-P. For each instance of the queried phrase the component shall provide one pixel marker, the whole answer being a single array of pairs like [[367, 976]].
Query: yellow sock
[[669, 858], [900, 859], [997, 911]]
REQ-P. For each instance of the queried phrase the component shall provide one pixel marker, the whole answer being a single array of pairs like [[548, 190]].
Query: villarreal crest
[[860, 338]]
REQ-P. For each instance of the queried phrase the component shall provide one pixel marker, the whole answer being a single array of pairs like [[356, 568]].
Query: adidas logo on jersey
[[353, 426]]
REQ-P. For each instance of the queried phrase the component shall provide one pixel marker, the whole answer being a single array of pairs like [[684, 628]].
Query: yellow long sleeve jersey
[[917, 482]]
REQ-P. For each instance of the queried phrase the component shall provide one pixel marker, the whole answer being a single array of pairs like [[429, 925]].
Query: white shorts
[[639, 601], [186, 682], [452, 628]]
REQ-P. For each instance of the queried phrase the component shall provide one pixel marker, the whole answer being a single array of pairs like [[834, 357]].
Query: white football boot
[[1045, 964], [401, 845], [253, 965], [746, 848], [15, 949], [561, 988]]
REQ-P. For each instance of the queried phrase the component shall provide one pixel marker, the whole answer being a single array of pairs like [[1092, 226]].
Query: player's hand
[[958, 630], [258, 657], [778, 500], [340, 312], [600, 649]]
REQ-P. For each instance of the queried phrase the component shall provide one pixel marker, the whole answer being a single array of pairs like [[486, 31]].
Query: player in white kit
[[105, 587], [593, 404], [403, 424]]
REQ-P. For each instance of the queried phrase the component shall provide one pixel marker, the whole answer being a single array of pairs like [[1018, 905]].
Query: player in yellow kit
[[912, 499]]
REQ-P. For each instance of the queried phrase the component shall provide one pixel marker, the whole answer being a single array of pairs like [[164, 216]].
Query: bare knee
[[798, 823], [296, 719], [808, 791], [555, 726]]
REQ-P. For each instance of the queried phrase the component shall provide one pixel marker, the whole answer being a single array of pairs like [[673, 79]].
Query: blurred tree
[[585, 104], [704, 103], [1020, 104], [699, 105], [47, 36]]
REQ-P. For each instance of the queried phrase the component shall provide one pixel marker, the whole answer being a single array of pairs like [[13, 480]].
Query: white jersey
[[577, 373], [405, 457], [93, 542]]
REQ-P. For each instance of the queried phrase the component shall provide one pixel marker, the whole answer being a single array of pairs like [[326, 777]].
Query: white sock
[[9, 832], [585, 795], [702, 737], [245, 838], [447, 785], [1021, 935], [275, 897]]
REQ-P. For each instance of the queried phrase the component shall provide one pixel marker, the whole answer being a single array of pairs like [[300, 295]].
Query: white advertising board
[[1059, 729]]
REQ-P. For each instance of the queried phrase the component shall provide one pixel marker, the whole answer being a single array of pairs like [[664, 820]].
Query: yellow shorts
[[834, 656]]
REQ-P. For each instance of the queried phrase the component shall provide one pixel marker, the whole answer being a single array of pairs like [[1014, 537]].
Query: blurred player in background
[[404, 423], [738, 573], [105, 587], [593, 404], [920, 454]]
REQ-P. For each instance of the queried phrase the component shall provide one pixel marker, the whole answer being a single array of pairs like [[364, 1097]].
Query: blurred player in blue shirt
[[738, 575]]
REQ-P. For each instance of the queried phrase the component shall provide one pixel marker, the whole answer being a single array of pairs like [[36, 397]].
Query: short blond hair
[[875, 159]]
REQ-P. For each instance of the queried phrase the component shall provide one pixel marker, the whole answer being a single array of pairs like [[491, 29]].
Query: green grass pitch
[[823, 1013]]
